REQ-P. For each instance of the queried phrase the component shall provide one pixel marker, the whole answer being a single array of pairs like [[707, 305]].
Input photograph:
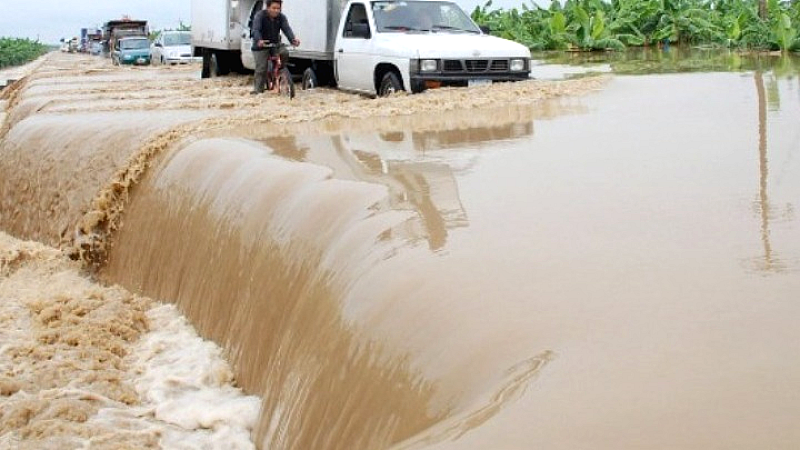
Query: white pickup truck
[[373, 47]]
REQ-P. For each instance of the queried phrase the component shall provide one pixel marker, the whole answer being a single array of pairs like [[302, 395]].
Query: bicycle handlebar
[[274, 45]]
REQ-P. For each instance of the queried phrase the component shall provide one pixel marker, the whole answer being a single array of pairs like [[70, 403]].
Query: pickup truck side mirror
[[158, 44], [485, 29], [361, 30]]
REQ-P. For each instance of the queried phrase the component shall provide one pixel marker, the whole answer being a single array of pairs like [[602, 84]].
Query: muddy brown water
[[616, 269]]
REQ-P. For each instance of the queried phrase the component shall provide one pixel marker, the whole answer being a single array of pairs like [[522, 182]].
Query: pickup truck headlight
[[517, 65], [428, 65]]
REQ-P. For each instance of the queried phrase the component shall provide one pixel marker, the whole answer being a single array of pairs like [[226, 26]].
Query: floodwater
[[87, 366], [606, 262]]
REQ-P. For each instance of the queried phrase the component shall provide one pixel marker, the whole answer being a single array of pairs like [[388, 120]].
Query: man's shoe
[[256, 92]]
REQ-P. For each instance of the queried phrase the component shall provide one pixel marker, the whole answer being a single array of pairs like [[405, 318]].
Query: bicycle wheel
[[268, 84], [285, 83]]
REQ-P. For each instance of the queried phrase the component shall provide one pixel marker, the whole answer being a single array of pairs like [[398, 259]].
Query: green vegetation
[[679, 59], [612, 25], [14, 52]]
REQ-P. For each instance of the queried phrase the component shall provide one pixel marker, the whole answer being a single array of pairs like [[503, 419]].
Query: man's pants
[[262, 65]]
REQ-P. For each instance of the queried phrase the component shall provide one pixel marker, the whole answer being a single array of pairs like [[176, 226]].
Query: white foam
[[188, 398]]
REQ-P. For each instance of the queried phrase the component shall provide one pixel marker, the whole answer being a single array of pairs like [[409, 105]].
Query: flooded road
[[512, 267]]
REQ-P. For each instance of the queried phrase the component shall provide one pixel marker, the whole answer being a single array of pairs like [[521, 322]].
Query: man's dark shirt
[[268, 29]]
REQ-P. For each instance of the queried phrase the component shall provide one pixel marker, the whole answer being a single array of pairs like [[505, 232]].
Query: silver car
[[172, 47]]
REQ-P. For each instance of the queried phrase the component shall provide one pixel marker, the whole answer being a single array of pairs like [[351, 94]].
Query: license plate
[[478, 82], [140, 60]]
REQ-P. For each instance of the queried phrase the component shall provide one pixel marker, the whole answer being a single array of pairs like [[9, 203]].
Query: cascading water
[[296, 272]]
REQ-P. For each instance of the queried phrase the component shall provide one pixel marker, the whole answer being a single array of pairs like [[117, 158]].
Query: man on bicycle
[[267, 26]]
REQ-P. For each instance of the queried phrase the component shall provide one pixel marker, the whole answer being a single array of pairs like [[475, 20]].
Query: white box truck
[[373, 47]]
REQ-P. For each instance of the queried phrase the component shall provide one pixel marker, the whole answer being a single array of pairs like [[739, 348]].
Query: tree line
[[15, 51], [616, 24]]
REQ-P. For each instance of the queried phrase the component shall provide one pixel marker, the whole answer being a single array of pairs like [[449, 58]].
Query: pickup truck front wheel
[[389, 85]]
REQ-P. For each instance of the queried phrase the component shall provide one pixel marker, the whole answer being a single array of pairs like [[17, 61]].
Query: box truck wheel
[[219, 66], [389, 84], [214, 64], [206, 72], [309, 79]]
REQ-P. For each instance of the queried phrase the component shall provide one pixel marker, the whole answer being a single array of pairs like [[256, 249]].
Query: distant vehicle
[[114, 30], [69, 45], [74, 45], [83, 44], [172, 47], [92, 36], [96, 48], [131, 50]]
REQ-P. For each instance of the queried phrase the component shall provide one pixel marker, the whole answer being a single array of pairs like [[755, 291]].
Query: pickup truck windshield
[[134, 44], [171, 39], [404, 16]]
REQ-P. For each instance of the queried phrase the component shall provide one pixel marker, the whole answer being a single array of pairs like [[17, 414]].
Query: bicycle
[[278, 77]]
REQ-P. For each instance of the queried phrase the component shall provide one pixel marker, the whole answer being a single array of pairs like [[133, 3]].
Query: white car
[[172, 47]]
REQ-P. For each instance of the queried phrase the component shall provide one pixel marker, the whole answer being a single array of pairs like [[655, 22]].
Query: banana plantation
[[587, 25], [14, 52]]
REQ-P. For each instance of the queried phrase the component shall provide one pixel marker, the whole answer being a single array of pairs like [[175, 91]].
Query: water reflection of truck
[[373, 47], [418, 168]]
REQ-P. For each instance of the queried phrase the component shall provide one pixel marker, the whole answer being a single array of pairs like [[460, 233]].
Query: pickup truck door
[[353, 51]]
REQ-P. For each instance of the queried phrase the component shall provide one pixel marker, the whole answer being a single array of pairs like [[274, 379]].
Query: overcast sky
[[51, 20]]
